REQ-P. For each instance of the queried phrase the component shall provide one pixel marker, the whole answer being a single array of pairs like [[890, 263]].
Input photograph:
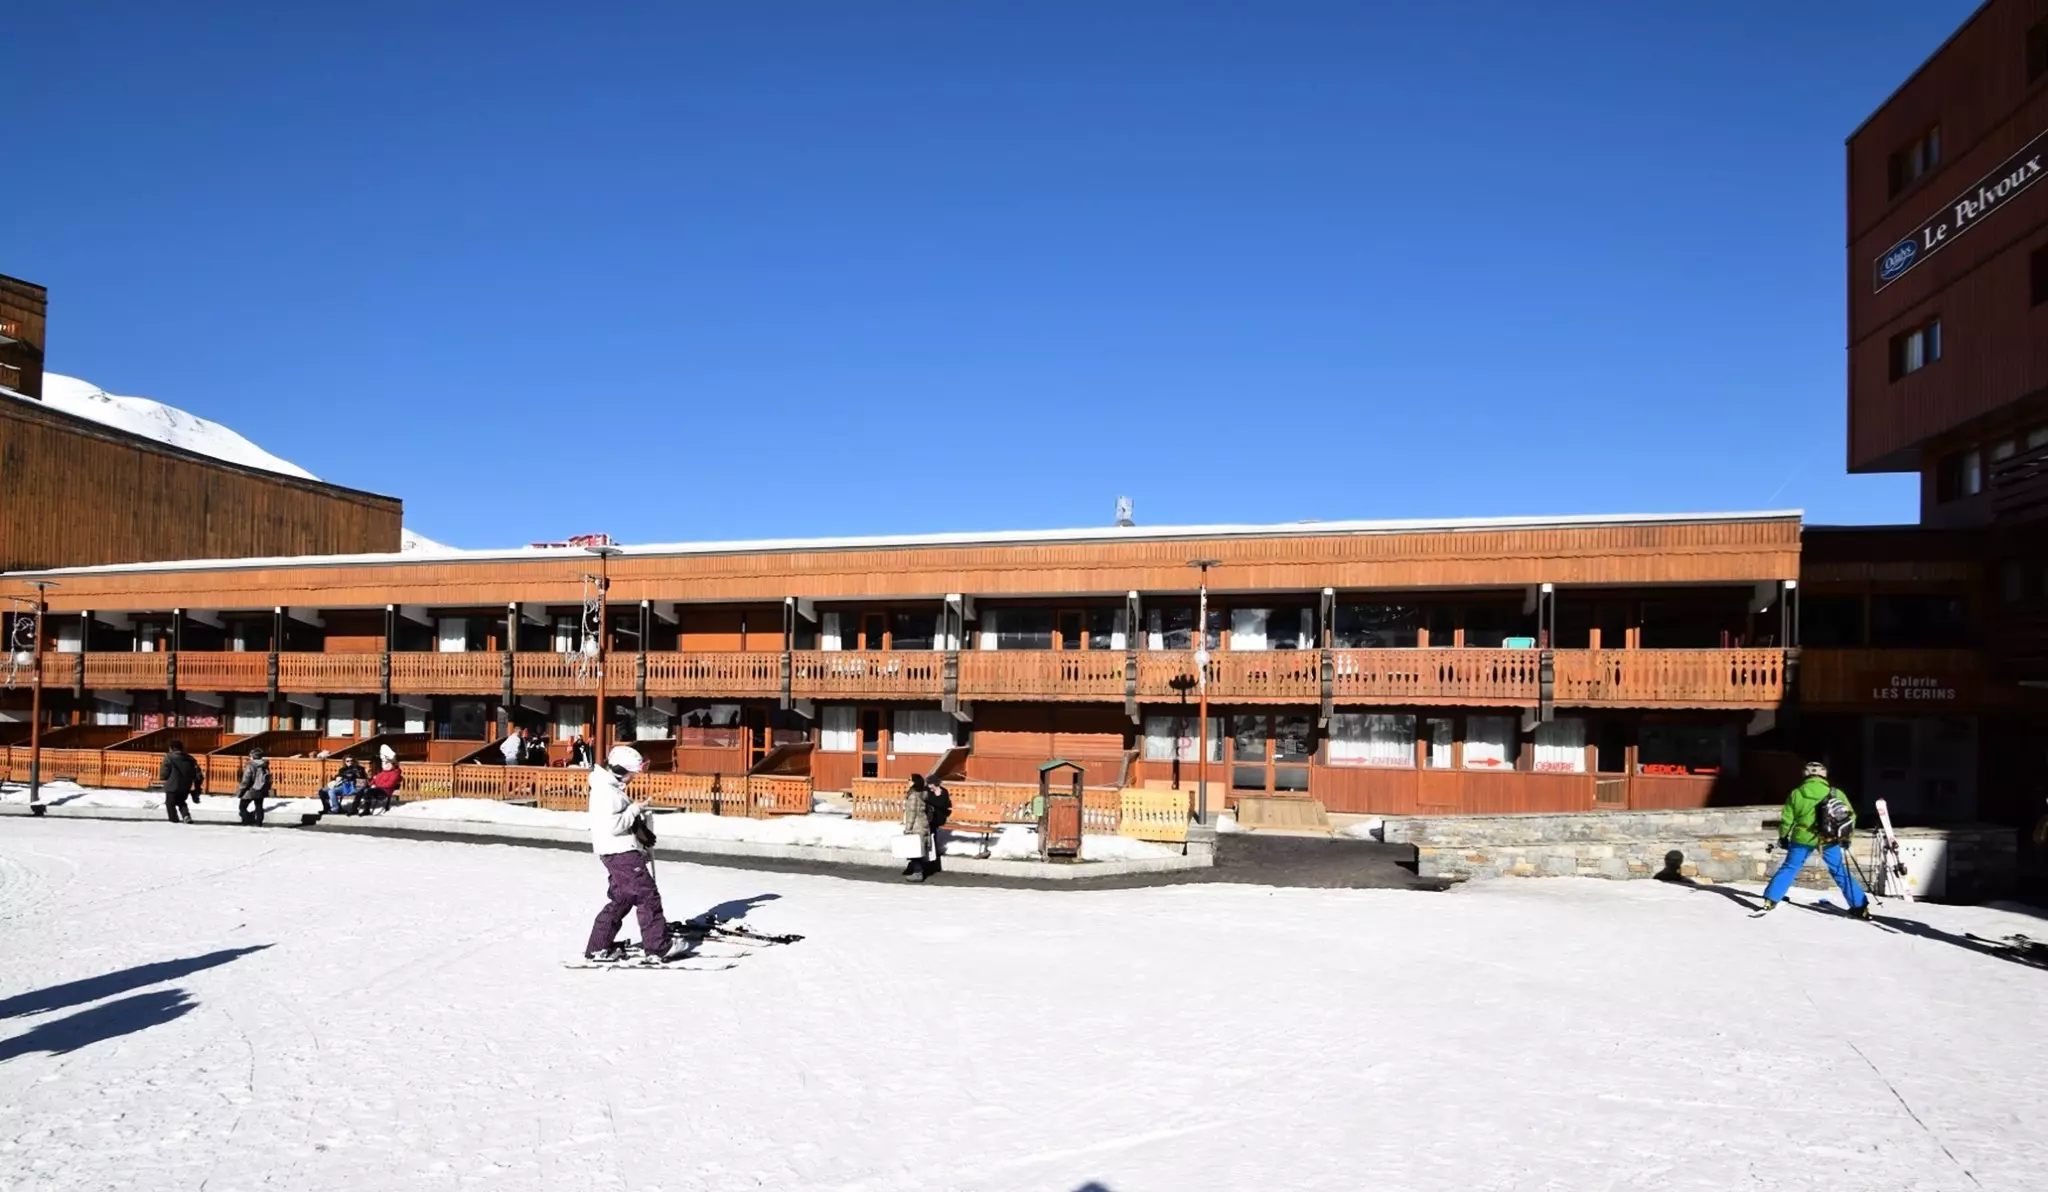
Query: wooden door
[[870, 742]]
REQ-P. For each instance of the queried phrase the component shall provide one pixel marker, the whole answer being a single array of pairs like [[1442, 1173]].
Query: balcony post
[[84, 646], [175, 717], [1132, 628], [507, 668], [384, 658], [640, 655], [1546, 641], [1327, 666]]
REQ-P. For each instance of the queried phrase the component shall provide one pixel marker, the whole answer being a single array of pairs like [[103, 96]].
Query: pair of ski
[[2016, 947], [697, 931]]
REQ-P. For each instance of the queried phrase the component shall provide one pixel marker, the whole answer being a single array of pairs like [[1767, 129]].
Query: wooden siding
[[1744, 551], [1994, 345], [1901, 682], [79, 493]]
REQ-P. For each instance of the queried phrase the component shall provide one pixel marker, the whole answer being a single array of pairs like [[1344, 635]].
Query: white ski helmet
[[624, 760], [1816, 769]]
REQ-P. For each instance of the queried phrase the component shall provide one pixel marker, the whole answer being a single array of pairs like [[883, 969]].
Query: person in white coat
[[616, 826], [513, 748]]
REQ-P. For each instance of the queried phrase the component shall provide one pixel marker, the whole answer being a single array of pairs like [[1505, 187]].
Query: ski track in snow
[[409, 1026]]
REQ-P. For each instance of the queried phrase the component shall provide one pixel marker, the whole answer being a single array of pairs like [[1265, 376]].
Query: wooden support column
[[507, 670], [384, 659], [84, 647], [174, 715], [640, 655], [1546, 641], [1134, 628], [276, 644], [1326, 616]]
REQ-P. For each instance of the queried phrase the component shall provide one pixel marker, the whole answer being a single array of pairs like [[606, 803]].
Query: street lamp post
[[35, 716], [599, 749], [1202, 685]]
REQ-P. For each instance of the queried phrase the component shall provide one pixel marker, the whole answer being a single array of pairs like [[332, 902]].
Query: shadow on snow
[[109, 1020]]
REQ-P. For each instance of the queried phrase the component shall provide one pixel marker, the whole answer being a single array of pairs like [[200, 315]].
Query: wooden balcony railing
[[127, 672], [1671, 678], [756, 673], [427, 673], [329, 673], [208, 671], [1474, 677], [1042, 674], [867, 674], [59, 670]]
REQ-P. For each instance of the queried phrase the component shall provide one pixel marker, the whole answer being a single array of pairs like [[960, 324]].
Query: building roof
[[1092, 534]]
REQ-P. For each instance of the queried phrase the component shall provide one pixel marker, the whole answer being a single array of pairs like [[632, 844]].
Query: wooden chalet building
[[1519, 664]]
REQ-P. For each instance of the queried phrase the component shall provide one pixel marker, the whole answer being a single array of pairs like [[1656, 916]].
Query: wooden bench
[[984, 819]]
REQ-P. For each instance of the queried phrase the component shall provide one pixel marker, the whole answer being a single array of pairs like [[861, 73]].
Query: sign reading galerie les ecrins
[[1990, 193]]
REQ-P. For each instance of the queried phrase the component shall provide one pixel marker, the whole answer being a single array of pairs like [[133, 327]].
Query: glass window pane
[[1371, 739], [1561, 746], [1376, 626], [1440, 736], [1490, 743], [1687, 749], [1171, 736], [1248, 778], [913, 631], [1248, 739], [1248, 628], [1106, 629], [1293, 739], [711, 726], [1290, 778]]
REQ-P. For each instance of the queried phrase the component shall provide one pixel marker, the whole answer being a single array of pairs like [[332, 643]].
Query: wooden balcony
[[428, 673], [755, 674], [1042, 675], [867, 674], [127, 672], [59, 670], [202, 671], [1475, 678], [325, 674], [1671, 678]]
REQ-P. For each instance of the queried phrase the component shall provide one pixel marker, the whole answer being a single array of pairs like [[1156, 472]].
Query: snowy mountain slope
[[165, 424], [169, 424]]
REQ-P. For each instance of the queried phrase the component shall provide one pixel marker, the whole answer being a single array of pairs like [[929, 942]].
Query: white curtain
[[1372, 739], [1248, 628], [252, 714], [454, 638], [828, 632], [415, 720], [990, 639], [341, 718], [921, 731], [838, 728], [650, 724], [106, 711], [1119, 634], [1174, 738], [570, 720], [1440, 734], [1561, 746], [69, 635], [1490, 743], [1307, 637], [1155, 631], [565, 635]]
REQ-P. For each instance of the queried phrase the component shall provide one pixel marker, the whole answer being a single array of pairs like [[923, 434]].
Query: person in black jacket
[[180, 775]]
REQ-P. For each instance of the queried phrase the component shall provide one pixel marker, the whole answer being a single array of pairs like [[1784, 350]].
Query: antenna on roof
[[1123, 512]]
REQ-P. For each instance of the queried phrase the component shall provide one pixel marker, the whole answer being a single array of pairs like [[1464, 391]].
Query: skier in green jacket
[[1805, 827]]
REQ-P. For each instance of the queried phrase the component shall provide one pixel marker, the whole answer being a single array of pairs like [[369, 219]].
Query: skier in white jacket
[[613, 820]]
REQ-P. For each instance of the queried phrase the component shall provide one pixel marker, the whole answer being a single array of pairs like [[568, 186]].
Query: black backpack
[[1832, 818]]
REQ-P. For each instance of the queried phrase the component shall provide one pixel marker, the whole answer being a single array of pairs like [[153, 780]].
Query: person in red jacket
[[384, 788]]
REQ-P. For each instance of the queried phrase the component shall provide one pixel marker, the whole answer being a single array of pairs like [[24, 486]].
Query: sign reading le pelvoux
[[1991, 192]]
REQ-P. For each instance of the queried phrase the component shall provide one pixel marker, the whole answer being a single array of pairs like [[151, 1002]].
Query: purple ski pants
[[631, 885]]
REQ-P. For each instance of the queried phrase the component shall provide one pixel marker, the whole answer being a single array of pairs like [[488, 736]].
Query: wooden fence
[[1010, 803], [739, 673], [1671, 678], [329, 674], [1042, 674]]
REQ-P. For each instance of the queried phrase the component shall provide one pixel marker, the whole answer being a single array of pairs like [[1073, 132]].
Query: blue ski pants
[[1796, 856]]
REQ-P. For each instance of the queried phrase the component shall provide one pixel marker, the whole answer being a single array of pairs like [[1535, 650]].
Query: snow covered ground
[[235, 1008]]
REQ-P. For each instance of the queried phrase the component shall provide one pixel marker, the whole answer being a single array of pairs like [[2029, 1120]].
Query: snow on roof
[[438, 554], [164, 423]]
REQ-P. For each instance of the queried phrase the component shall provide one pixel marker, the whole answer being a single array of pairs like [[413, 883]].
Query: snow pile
[[412, 541], [69, 794], [1016, 842]]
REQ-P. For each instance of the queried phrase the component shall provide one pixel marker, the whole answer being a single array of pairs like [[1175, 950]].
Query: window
[[1561, 746], [838, 728], [650, 724], [2037, 52], [1016, 629], [1490, 743], [921, 731], [1174, 628], [252, 714], [1272, 629], [2037, 437], [1106, 629], [106, 711], [1831, 621], [1916, 349], [710, 726], [1919, 621], [1915, 160], [2004, 450], [1286, 768], [1489, 626], [1175, 737], [341, 718], [1376, 626], [1439, 734], [1959, 474], [1372, 739], [914, 631], [2037, 274], [1688, 749]]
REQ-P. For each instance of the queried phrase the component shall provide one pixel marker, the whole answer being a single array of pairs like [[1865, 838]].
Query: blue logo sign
[[1898, 260]]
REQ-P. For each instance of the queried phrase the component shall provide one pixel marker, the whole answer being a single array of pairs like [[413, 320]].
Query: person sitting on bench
[[382, 793], [349, 782]]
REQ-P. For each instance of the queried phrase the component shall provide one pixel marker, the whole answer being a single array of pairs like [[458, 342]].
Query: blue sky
[[705, 271]]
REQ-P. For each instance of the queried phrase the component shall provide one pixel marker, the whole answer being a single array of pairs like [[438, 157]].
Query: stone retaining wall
[[1720, 844]]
